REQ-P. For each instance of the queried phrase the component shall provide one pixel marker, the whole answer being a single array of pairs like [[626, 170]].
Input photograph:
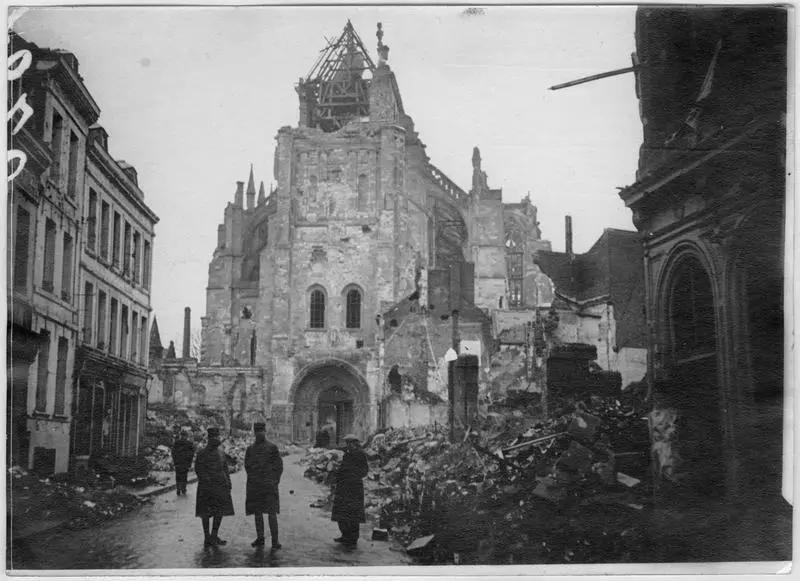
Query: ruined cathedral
[[333, 298]]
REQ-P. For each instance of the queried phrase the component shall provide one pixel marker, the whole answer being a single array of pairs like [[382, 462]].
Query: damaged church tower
[[310, 282]]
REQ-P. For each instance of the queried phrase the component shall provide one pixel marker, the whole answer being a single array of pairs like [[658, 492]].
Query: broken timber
[[594, 78], [535, 441]]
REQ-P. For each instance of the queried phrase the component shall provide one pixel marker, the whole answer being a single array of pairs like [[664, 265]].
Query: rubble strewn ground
[[48, 500], [515, 489], [110, 486], [163, 423]]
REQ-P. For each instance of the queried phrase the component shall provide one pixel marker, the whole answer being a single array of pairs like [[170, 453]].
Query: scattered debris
[[34, 500], [515, 488], [420, 544], [628, 481], [322, 462]]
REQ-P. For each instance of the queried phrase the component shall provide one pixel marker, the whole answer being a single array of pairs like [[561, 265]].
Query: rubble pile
[[162, 425], [36, 500], [322, 463], [234, 448], [160, 459], [519, 489]]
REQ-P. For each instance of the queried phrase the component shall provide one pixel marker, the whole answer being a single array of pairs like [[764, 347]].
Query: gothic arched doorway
[[693, 374], [331, 393]]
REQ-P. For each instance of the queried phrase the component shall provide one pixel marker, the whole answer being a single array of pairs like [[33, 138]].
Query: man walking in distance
[[264, 467], [213, 488], [348, 499], [182, 456]]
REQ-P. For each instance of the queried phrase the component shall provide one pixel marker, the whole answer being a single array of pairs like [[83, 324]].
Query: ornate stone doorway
[[329, 393]]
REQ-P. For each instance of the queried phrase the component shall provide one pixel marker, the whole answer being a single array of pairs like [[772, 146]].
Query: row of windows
[[114, 327], [119, 235], [317, 302], [51, 262], [43, 374]]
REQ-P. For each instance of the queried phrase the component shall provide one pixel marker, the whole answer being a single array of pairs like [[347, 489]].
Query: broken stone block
[[605, 471], [548, 489], [380, 535], [628, 481], [420, 545], [577, 458], [584, 426], [391, 464]]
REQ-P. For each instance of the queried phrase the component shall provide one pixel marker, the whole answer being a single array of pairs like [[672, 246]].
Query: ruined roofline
[[322, 67], [336, 90]]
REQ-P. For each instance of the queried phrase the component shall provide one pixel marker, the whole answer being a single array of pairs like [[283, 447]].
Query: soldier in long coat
[[213, 487], [182, 456], [264, 467], [348, 499]]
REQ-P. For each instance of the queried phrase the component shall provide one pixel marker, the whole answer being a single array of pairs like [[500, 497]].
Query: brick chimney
[[568, 235], [187, 331]]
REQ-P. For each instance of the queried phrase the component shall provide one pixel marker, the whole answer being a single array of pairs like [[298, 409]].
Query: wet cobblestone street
[[165, 534]]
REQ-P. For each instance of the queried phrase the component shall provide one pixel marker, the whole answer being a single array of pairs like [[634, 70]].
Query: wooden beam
[[594, 78]]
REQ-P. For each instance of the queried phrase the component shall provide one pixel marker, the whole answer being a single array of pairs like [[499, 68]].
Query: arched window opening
[[317, 309], [361, 187], [692, 308], [691, 379], [516, 273], [353, 309], [513, 240]]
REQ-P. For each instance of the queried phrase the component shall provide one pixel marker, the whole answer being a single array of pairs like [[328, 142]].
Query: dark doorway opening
[[335, 413]]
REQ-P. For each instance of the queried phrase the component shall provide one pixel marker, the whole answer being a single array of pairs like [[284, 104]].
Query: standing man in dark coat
[[264, 467], [348, 499], [182, 456], [213, 487]]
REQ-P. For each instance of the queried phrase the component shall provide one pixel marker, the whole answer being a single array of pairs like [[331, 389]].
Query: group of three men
[[264, 467]]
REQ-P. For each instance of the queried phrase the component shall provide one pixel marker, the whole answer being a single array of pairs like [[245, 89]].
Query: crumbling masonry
[[331, 297]]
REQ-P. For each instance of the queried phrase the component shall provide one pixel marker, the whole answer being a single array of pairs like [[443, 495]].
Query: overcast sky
[[192, 96]]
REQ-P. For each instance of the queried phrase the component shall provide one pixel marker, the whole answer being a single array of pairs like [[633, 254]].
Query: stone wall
[[400, 413]]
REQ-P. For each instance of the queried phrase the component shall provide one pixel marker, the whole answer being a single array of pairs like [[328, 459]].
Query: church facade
[[311, 283]]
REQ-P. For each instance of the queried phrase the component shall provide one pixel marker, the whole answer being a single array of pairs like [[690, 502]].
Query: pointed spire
[[155, 336], [251, 190], [251, 184], [156, 348], [262, 196]]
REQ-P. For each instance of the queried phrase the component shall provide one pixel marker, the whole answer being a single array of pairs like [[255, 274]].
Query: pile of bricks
[[553, 493]]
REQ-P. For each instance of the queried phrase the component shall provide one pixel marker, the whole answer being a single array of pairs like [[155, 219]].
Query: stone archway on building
[[690, 379], [330, 393]]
